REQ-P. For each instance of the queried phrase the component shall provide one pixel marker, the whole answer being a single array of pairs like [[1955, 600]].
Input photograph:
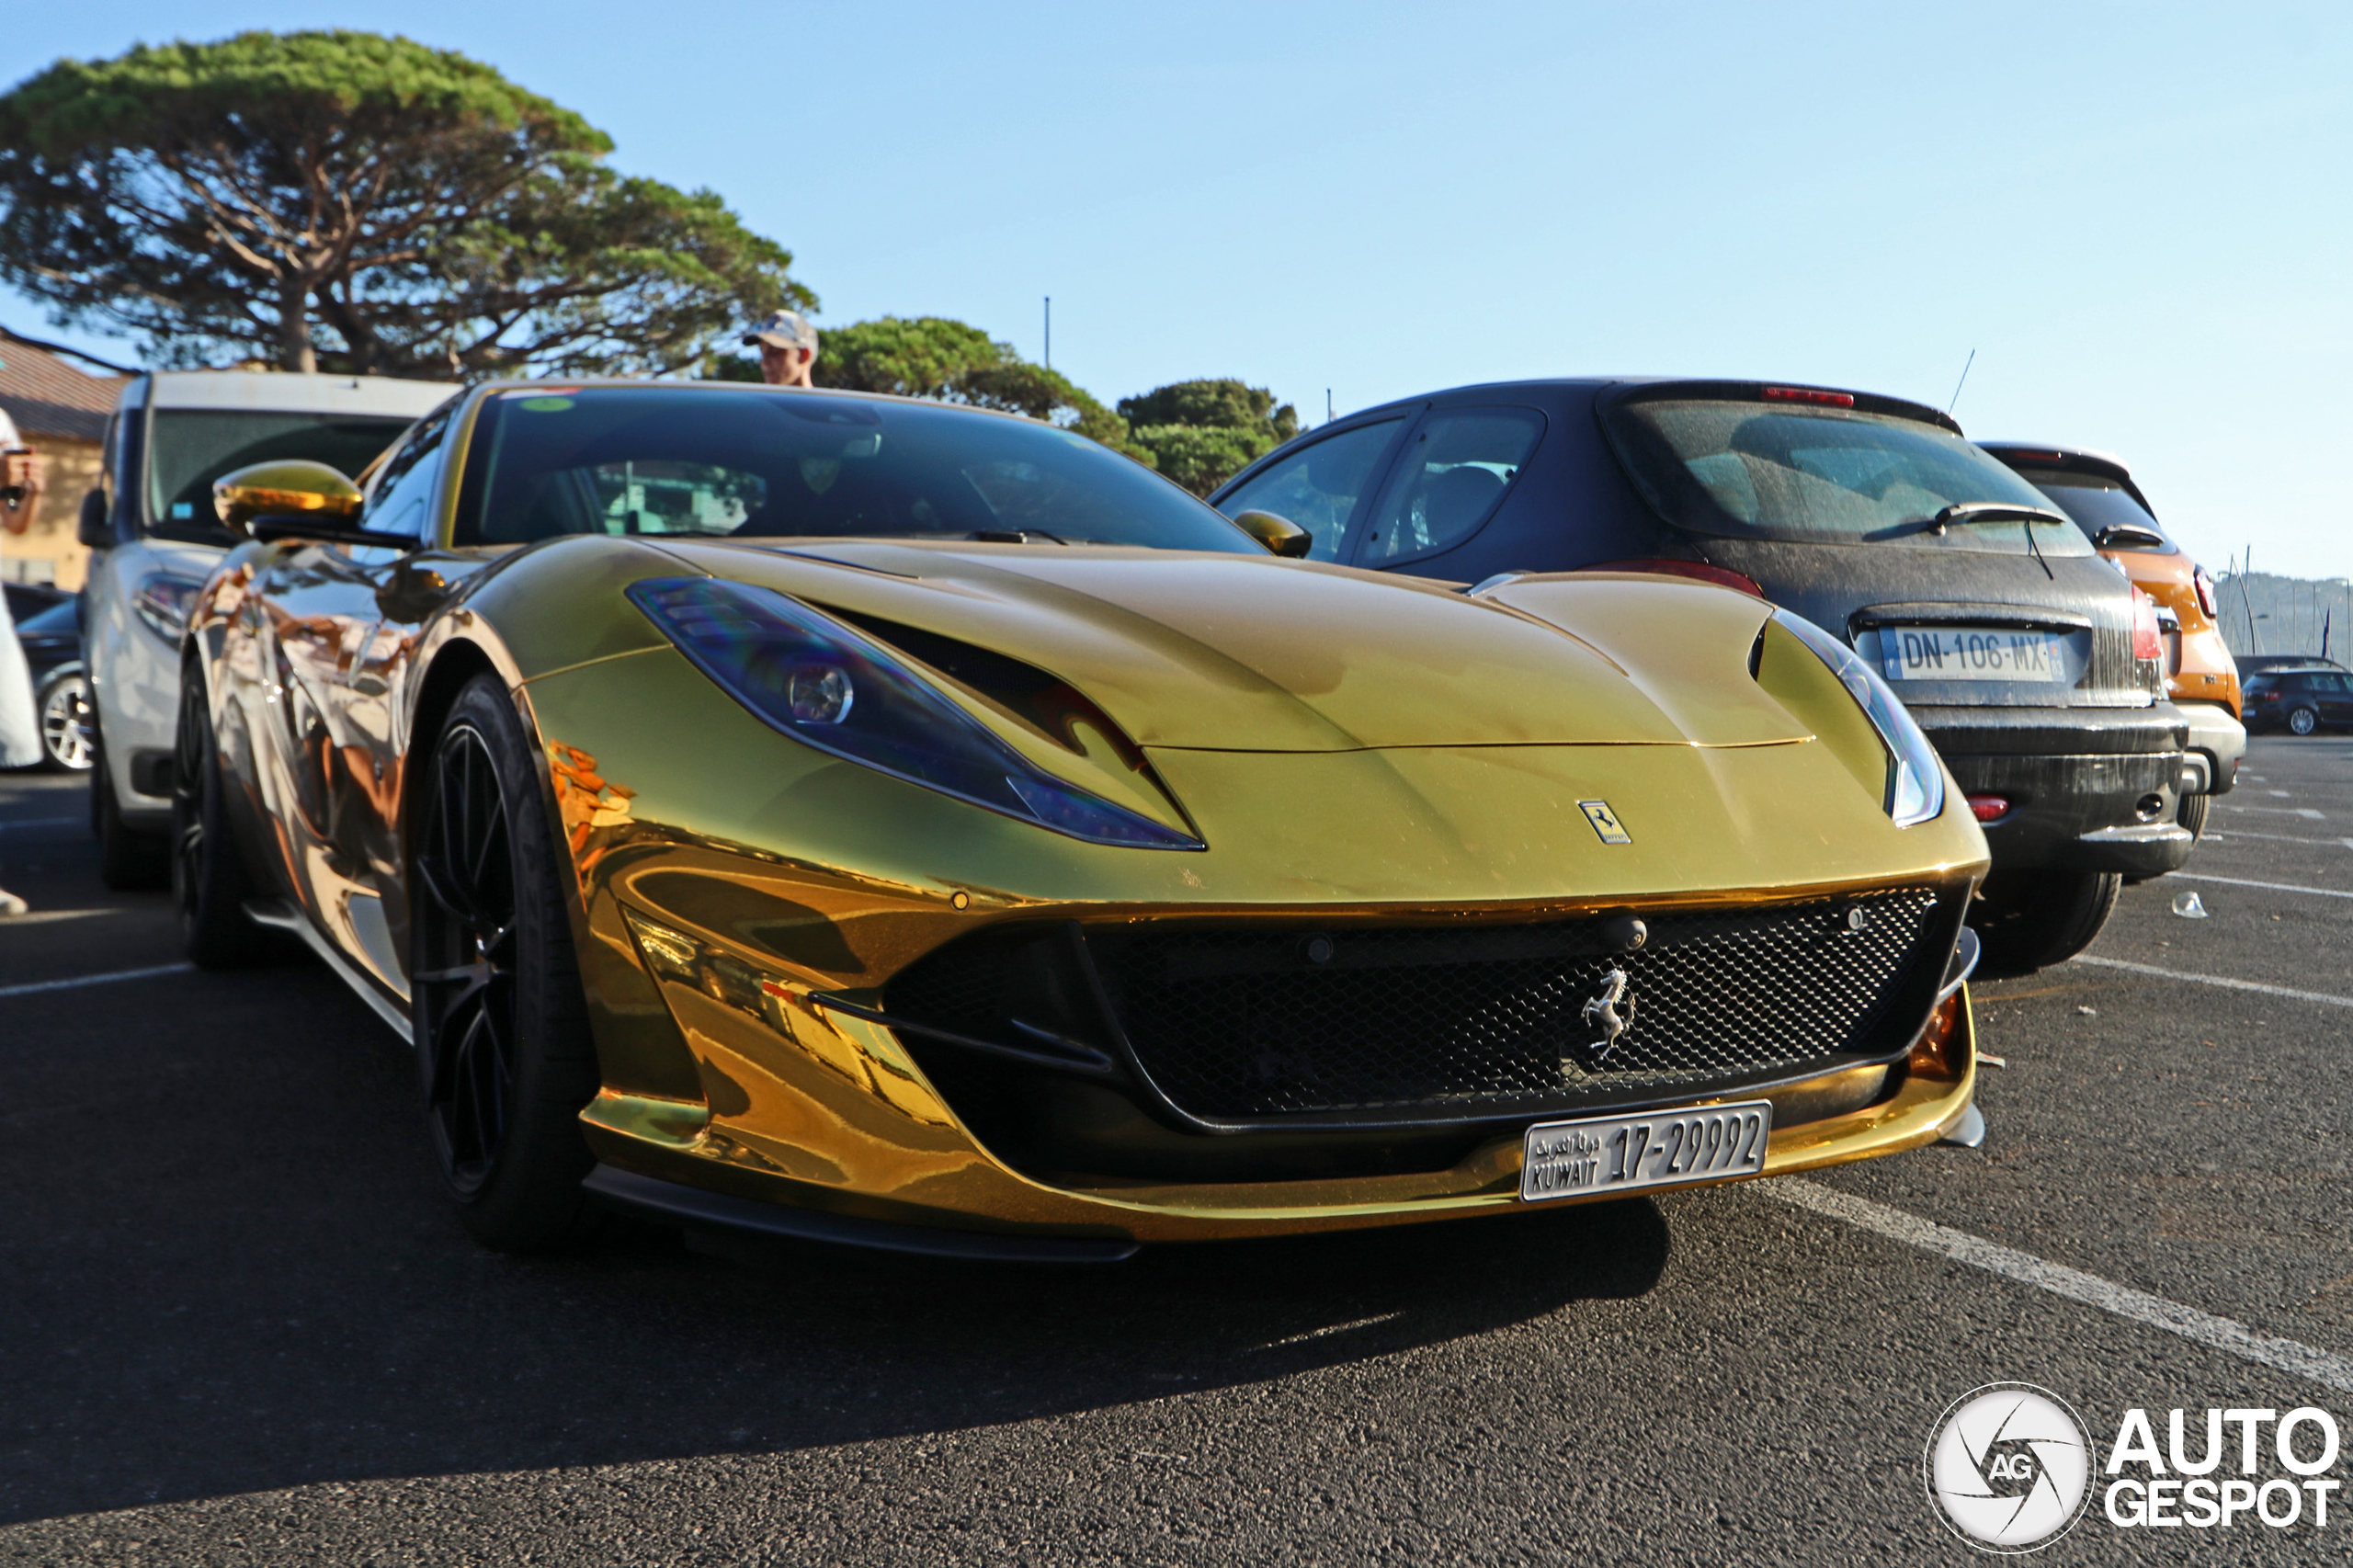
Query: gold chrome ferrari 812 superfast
[[871, 819]]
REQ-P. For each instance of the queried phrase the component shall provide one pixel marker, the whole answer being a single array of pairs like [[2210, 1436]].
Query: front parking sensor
[[1970, 1132]]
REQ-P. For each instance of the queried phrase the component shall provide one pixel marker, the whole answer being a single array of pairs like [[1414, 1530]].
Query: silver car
[[155, 540]]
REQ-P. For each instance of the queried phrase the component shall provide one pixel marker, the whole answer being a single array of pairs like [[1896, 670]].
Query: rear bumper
[[2216, 742], [2090, 790]]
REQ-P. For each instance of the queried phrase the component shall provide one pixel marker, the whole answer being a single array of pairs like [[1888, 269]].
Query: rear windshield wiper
[[1994, 512]]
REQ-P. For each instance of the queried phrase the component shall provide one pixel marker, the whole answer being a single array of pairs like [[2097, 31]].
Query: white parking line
[[2276, 887], [2219, 1333], [2226, 982], [2275, 838], [2304, 812], [107, 979]]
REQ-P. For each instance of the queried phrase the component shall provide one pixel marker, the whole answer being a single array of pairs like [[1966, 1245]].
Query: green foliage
[[1201, 433], [1223, 402], [1201, 457], [347, 201], [933, 357]]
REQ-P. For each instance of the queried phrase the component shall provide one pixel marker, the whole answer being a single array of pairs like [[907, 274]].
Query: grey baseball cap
[[785, 329]]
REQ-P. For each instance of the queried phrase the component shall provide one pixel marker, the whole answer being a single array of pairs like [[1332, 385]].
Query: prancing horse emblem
[[1604, 1015]]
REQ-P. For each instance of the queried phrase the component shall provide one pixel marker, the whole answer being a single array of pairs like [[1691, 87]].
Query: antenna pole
[[1962, 382]]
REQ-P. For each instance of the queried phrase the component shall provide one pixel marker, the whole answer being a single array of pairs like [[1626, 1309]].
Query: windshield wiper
[[1994, 512], [1016, 536]]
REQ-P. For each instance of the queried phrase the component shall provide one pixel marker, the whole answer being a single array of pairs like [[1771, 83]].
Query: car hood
[[1229, 652]]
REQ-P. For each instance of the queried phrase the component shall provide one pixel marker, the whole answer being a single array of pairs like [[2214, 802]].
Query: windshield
[[671, 461], [2097, 502], [193, 447], [1826, 475]]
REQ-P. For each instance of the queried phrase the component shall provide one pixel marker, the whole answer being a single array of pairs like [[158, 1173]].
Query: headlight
[[1915, 784], [162, 601], [828, 686]]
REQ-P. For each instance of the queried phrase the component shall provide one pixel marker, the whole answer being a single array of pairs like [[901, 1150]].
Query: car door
[[1452, 474], [2336, 695], [328, 779]]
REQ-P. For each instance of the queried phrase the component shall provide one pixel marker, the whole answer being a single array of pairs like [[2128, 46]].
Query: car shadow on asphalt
[[232, 1273]]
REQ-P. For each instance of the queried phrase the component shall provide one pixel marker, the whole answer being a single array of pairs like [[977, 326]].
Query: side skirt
[[277, 913]]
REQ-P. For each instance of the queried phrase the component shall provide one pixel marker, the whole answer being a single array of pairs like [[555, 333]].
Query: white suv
[[156, 540]]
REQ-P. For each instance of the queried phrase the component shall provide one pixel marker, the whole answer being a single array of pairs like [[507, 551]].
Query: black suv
[[2034, 665], [2300, 701]]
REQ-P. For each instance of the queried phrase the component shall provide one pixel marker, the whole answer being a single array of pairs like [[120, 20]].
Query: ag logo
[[2008, 1467]]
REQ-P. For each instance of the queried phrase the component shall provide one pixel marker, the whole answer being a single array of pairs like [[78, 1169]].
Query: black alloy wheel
[[2302, 720], [503, 1058], [210, 884]]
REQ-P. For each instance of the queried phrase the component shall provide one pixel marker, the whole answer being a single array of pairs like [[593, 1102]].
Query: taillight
[[1989, 808], [1722, 577], [2146, 643], [1808, 394], [2205, 593]]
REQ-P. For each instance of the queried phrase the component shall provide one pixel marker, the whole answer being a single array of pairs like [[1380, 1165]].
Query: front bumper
[[2089, 790], [903, 1173], [2216, 743]]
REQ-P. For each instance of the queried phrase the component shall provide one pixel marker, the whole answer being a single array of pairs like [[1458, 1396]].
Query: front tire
[[2031, 917], [208, 879], [2302, 720], [128, 861], [502, 1048]]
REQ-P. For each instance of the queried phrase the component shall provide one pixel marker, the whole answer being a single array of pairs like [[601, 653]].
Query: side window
[[403, 488], [1319, 486], [1452, 477]]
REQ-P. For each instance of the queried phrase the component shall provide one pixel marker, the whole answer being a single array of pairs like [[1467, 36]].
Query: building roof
[[45, 396]]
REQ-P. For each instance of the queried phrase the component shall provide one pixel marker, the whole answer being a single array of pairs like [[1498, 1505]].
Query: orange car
[[2098, 491]]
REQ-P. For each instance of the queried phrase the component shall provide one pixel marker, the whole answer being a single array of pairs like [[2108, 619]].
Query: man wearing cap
[[788, 347]]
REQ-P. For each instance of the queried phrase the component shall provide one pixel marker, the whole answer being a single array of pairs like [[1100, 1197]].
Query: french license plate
[[1627, 1154], [1961, 652]]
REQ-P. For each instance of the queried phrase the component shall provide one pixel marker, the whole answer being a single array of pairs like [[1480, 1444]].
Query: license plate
[[1628, 1153], [1961, 653]]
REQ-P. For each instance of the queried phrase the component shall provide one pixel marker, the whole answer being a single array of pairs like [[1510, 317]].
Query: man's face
[[785, 367]]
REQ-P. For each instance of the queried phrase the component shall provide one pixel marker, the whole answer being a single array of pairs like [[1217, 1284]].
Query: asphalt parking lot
[[239, 1329]]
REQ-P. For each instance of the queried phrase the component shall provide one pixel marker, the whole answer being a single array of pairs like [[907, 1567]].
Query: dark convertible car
[[2034, 665]]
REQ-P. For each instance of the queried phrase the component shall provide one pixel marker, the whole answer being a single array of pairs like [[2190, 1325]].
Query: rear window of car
[[1821, 476], [2097, 503]]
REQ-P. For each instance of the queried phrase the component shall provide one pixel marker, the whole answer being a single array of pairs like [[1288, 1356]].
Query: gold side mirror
[[290, 487], [1278, 534]]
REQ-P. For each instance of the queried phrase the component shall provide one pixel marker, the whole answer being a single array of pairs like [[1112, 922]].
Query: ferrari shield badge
[[1605, 822]]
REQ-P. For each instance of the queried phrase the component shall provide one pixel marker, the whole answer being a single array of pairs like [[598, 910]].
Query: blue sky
[[2136, 215]]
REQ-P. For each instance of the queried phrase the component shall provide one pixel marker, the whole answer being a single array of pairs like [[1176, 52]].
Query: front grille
[[1251, 1022], [1244, 1024]]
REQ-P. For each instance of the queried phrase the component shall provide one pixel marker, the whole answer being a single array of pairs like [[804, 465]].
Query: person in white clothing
[[20, 488]]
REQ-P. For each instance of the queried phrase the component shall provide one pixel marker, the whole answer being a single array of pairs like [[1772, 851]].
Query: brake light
[[2146, 643], [1987, 808], [1807, 394], [2205, 593], [1722, 576]]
